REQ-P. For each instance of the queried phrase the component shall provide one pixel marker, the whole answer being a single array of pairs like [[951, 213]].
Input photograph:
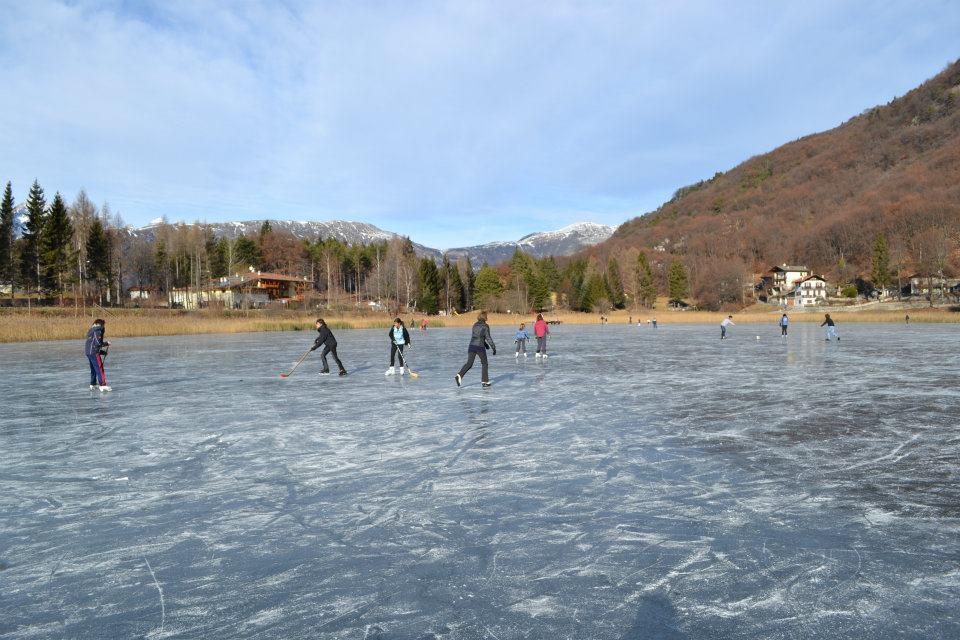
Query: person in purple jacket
[[95, 347]]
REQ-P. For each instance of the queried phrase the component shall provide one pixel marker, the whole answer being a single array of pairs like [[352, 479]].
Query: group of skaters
[[96, 346], [784, 324]]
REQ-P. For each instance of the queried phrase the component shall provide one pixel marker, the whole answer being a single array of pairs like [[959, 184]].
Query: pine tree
[[457, 293], [6, 237], [56, 246], [593, 293], [247, 252], [30, 255], [429, 286], [880, 264], [487, 287], [614, 285], [98, 256], [677, 282], [646, 289]]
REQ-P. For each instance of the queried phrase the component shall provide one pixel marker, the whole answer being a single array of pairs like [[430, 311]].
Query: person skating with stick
[[480, 341], [95, 347], [326, 340], [399, 338], [541, 331]]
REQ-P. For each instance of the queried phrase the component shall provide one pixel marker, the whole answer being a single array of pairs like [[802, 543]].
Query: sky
[[455, 122]]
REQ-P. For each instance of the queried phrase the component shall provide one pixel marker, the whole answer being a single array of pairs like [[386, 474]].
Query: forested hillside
[[822, 200]]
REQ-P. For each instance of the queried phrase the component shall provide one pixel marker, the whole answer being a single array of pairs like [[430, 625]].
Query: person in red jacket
[[541, 331]]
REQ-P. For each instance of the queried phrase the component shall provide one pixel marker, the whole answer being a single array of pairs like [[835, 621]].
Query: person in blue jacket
[[784, 322], [399, 338], [521, 340], [95, 347]]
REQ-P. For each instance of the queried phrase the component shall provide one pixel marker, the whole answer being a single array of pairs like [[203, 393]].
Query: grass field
[[53, 323]]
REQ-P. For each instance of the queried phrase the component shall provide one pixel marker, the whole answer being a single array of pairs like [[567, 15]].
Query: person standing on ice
[[326, 340], [727, 322], [95, 347], [521, 340], [541, 331], [480, 340], [399, 338], [831, 327], [784, 321]]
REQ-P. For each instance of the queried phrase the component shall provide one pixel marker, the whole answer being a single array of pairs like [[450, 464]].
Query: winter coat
[[406, 336], [94, 342], [325, 337], [540, 328], [522, 335], [480, 337]]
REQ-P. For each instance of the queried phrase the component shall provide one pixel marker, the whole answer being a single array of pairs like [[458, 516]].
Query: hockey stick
[[302, 358], [413, 374]]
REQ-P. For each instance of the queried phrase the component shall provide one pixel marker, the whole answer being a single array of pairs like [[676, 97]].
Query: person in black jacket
[[480, 341], [95, 347], [399, 338], [329, 344]]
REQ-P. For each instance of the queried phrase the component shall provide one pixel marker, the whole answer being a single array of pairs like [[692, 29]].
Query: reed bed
[[21, 325]]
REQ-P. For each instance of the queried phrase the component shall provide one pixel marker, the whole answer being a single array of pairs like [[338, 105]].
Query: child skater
[[783, 325], [831, 327], [95, 347], [727, 322], [521, 339], [479, 341], [541, 330], [329, 344], [399, 338]]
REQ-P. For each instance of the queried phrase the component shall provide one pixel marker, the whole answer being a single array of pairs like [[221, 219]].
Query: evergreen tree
[[550, 273], [98, 256], [487, 287], [593, 293], [6, 237], [614, 285], [161, 263], [539, 291], [677, 282], [265, 229], [646, 289], [880, 263], [56, 246], [457, 293], [247, 252], [30, 254], [219, 253], [429, 286]]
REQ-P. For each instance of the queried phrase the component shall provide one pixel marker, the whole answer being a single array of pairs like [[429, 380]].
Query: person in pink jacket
[[541, 331]]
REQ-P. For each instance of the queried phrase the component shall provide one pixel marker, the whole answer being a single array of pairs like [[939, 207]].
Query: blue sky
[[453, 122]]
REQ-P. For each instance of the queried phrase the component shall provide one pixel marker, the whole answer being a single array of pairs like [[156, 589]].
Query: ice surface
[[641, 483]]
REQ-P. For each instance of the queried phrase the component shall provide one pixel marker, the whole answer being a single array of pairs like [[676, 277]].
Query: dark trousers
[[333, 351], [393, 352], [485, 370], [783, 329], [96, 370]]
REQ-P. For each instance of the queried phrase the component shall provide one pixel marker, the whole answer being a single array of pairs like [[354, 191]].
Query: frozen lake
[[641, 483]]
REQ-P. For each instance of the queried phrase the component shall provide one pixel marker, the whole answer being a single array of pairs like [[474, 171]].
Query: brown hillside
[[822, 199]]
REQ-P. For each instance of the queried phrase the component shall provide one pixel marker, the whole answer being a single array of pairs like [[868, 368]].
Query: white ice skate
[[545, 356], [399, 371], [390, 371], [105, 387], [538, 354], [524, 354], [93, 387], [516, 355]]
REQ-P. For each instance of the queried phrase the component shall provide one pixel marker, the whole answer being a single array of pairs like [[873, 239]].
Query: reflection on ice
[[638, 484]]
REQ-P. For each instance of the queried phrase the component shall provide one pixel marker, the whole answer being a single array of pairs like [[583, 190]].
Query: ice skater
[[784, 321], [654, 321], [521, 340], [727, 322], [831, 328], [480, 340], [399, 338], [95, 347], [326, 340], [541, 331]]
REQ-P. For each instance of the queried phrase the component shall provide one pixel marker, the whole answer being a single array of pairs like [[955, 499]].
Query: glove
[[314, 347], [494, 352]]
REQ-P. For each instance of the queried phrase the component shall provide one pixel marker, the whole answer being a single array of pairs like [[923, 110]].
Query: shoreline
[[55, 323]]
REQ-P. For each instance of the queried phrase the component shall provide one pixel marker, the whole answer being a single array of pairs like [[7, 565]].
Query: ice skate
[[458, 379], [343, 372], [486, 385], [389, 372], [105, 387], [399, 371], [93, 387], [516, 355], [324, 373]]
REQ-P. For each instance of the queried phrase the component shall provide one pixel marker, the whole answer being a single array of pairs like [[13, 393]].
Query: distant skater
[[399, 338], [95, 347], [326, 340], [784, 321], [727, 322], [541, 331], [480, 341], [654, 322], [423, 325], [907, 318], [831, 328], [521, 340]]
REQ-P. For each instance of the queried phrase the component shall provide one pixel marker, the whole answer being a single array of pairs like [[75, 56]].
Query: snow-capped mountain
[[19, 219], [562, 242]]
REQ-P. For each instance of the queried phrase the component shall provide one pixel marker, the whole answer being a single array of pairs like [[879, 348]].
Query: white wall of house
[[811, 292]]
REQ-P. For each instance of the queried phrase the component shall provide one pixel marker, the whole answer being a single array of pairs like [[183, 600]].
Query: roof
[[253, 276], [787, 267], [812, 277]]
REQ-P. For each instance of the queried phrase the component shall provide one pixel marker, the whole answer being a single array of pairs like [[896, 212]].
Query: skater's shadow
[[656, 619], [503, 377]]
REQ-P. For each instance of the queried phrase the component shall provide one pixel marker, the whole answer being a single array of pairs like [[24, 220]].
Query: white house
[[254, 289], [810, 291], [786, 276]]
